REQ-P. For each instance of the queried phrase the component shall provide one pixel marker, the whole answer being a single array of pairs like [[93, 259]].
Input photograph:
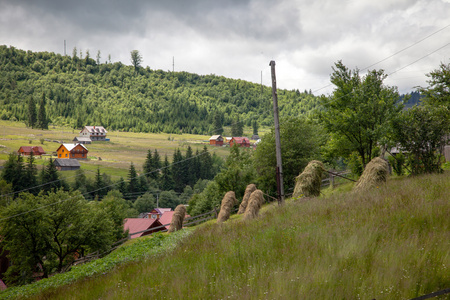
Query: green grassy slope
[[390, 243]]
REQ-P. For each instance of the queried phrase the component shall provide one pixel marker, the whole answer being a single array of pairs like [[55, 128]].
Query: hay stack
[[177, 218], [248, 191], [254, 204], [375, 173], [308, 183], [228, 201]]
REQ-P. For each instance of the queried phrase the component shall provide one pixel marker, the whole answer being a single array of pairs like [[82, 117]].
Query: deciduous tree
[[358, 113]]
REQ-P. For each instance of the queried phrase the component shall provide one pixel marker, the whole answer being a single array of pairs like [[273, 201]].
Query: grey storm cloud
[[238, 38]]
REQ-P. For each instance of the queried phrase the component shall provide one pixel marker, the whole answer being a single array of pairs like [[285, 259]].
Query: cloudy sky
[[238, 38]]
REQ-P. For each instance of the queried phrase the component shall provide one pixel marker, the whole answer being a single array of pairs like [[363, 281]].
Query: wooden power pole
[[279, 170]]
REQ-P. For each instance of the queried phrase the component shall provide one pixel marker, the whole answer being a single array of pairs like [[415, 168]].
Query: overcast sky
[[238, 38]]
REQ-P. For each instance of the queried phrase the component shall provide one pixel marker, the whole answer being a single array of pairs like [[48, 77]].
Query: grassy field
[[390, 243], [113, 158]]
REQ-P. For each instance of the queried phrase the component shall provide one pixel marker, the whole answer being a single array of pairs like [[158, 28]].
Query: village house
[[66, 164], [216, 140], [141, 227], [94, 133], [27, 150], [156, 213], [240, 141], [76, 151]]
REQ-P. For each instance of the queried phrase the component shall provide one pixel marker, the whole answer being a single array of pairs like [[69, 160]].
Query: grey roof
[[82, 139], [65, 162]]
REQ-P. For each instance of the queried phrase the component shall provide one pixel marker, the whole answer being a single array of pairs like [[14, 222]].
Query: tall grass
[[389, 243]]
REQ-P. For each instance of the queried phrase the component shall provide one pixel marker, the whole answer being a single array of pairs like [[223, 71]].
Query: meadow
[[389, 243], [113, 157]]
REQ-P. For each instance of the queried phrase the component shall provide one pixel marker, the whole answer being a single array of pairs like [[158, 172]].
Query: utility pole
[[279, 170]]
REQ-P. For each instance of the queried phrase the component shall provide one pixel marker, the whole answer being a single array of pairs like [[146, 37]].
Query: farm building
[[158, 212], [240, 141], [66, 164], [82, 140], [216, 140], [76, 151], [139, 224], [95, 133], [27, 150]]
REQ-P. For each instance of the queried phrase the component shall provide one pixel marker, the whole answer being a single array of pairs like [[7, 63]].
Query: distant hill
[[79, 91]]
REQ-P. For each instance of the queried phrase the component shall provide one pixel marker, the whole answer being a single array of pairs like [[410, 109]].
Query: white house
[[95, 133]]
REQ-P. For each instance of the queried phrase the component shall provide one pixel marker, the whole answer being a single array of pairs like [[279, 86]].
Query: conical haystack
[[248, 191], [228, 201], [177, 218], [375, 173], [255, 202], [308, 183]]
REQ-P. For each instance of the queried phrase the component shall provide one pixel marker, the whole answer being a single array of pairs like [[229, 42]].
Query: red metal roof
[[139, 224], [37, 150], [166, 218], [241, 140], [2, 285]]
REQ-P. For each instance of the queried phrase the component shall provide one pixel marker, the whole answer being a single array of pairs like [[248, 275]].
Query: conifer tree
[[42, 121], [148, 164], [133, 181], [178, 171], [30, 174], [50, 177], [31, 112], [166, 179]]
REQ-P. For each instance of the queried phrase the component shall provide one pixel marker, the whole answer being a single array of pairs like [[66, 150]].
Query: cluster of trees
[[80, 90], [45, 233]]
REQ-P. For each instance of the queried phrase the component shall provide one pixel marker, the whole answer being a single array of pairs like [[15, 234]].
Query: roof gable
[[139, 224]]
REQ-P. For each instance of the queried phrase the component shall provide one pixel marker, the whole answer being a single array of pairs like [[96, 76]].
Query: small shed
[[82, 140], [66, 164], [240, 141], [138, 225], [27, 150], [255, 137], [216, 140]]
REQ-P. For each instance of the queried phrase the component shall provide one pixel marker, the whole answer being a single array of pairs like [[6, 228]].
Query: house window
[[66, 154], [154, 216], [60, 155]]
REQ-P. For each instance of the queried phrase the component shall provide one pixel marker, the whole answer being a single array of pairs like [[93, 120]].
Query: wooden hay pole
[[248, 191], [254, 204], [308, 183], [177, 218], [228, 201], [375, 173]]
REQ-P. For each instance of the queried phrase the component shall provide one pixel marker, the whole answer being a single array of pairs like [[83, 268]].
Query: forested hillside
[[80, 90]]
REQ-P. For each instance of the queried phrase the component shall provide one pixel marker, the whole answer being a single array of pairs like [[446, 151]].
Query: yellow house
[[76, 151]]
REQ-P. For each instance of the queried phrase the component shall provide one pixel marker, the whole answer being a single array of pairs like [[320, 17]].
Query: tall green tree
[[50, 177], [237, 128], [42, 121], [438, 90], [217, 123], [178, 169], [136, 60], [133, 180], [166, 179], [30, 174], [300, 143], [31, 112], [148, 164], [358, 113], [420, 131]]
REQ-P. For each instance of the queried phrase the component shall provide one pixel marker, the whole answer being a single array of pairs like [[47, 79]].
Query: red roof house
[[136, 225], [240, 141], [166, 218], [26, 150], [158, 212]]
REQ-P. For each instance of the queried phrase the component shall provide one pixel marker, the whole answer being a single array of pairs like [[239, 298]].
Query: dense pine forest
[[78, 90]]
